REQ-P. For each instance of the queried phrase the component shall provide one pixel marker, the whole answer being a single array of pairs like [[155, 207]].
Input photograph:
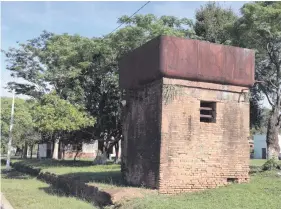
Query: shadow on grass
[[46, 163], [255, 169], [109, 177], [13, 174], [51, 190]]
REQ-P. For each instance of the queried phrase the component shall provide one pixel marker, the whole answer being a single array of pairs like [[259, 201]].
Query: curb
[[5, 204]]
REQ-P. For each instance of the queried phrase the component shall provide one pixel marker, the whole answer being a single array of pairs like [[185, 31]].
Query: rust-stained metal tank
[[187, 59]]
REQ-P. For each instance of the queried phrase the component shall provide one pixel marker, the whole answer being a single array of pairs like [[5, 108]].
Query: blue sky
[[21, 21]]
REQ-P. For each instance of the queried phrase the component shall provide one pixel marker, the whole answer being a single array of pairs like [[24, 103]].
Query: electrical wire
[[131, 16]]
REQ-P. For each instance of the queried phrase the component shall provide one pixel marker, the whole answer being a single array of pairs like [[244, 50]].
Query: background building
[[260, 147]]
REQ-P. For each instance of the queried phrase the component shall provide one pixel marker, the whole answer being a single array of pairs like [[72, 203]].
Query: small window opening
[[207, 112], [232, 180]]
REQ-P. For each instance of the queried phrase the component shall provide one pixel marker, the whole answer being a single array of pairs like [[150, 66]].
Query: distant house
[[87, 150], [260, 147], [45, 150]]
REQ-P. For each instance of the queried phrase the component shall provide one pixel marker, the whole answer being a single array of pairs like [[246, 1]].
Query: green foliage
[[142, 28], [23, 129], [52, 114], [271, 164], [259, 24], [214, 23], [83, 70], [259, 28], [26, 62]]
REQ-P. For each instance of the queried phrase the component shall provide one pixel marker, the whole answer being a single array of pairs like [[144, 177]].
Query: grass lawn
[[257, 162], [264, 191], [108, 176], [25, 192]]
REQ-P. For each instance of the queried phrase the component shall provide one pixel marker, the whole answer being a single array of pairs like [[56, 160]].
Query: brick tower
[[186, 114]]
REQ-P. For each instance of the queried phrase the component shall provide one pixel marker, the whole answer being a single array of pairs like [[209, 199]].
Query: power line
[[131, 16]]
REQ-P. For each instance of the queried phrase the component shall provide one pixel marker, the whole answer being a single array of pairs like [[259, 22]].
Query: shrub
[[26, 169], [3, 162], [271, 164]]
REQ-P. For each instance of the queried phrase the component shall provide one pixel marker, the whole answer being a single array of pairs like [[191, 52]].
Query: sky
[[21, 21]]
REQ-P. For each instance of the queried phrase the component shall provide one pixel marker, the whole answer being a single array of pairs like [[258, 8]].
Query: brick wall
[[197, 155], [141, 129], [167, 147], [80, 155]]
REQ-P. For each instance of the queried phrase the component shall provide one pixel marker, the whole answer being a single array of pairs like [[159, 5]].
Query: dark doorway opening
[[263, 153]]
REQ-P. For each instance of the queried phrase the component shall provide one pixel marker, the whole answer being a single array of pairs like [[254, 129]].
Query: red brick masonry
[[168, 148], [80, 155]]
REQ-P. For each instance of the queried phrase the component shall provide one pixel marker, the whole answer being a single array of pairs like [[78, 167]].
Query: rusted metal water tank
[[188, 59]]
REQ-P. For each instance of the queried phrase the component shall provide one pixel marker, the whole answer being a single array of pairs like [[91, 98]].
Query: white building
[[260, 147]]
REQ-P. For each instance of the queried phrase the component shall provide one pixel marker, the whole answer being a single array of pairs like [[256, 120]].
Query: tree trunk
[[22, 150], [273, 128], [63, 151], [25, 150], [56, 149], [31, 151], [116, 151], [38, 151], [76, 154], [60, 150]]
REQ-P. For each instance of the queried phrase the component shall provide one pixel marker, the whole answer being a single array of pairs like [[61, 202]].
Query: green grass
[[103, 176], [108, 176], [257, 162], [23, 192], [264, 191]]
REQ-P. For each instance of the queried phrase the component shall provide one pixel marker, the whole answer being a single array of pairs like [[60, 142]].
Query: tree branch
[[279, 120], [273, 84], [264, 91]]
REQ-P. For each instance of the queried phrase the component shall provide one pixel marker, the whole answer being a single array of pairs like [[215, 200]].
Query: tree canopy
[[260, 28], [214, 24], [52, 114], [23, 128]]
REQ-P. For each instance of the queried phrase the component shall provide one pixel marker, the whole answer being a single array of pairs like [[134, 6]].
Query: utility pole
[[10, 133]]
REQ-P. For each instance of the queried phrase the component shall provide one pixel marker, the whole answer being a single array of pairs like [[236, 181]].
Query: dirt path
[[121, 194]]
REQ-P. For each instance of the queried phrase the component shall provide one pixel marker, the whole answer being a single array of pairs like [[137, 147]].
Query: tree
[[142, 28], [56, 116], [260, 28], [213, 23], [26, 62], [23, 133], [84, 71]]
